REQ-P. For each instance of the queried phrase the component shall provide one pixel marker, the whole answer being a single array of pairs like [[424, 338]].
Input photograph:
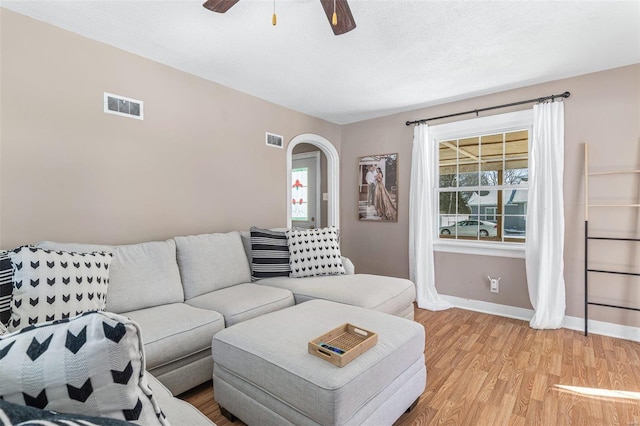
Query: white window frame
[[501, 123]]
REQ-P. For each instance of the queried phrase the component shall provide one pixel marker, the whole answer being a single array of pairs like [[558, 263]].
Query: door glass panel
[[300, 194]]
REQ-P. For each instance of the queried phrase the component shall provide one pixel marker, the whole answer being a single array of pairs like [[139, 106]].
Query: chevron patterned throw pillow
[[50, 285], [92, 364]]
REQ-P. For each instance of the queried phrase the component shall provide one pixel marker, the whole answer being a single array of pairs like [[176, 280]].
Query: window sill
[[515, 250]]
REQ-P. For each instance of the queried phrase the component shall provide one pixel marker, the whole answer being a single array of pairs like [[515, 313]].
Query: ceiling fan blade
[[220, 6], [345, 19]]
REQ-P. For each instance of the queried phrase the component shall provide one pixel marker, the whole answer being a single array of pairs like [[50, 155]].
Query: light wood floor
[[488, 370]]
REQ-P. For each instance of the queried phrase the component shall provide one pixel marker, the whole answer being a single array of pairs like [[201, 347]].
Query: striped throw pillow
[[6, 287], [270, 254]]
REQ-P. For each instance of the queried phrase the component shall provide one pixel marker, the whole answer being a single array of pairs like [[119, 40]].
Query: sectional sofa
[[184, 290]]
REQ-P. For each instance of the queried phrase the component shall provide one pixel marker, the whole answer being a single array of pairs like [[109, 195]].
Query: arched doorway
[[333, 175]]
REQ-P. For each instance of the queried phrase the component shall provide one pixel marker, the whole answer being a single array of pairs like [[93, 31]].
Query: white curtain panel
[[421, 221], [544, 245]]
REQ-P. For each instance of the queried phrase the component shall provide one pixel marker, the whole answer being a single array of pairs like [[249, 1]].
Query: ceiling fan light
[[274, 20]]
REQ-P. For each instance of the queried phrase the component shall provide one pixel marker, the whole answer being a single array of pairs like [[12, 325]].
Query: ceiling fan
[[344, 24]]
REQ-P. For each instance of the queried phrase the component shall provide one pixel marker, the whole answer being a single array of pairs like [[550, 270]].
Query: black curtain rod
[[476, 111]]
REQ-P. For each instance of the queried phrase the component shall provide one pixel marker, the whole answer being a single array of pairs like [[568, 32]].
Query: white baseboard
[[571, 323]]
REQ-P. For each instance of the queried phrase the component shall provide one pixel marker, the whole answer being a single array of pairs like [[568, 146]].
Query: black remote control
[[331, 348]]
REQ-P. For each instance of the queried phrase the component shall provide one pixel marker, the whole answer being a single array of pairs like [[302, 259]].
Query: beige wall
[[603, 110], [196, 163]]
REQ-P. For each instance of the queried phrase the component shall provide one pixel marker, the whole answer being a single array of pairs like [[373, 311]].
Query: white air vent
[[119, 105], [273, 140]]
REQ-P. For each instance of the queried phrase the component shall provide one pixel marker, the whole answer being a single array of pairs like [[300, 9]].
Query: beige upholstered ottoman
[[264, 375]]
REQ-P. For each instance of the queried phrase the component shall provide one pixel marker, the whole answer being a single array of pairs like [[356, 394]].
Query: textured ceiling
[[402, 55]]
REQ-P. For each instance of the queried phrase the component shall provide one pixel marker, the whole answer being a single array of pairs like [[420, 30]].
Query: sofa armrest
[[175, 409], [349, 267]]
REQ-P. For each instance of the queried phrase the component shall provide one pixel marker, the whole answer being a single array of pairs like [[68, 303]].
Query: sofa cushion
[[314, 252], [244, 301], [92, 365], [50, 285], [174, 331], [210, 262], [269, 254], [384, 294], [144, 275], [6, 287]]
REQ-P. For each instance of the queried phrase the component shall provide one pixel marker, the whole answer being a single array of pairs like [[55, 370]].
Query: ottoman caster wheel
[[227, 414], [412, 406]]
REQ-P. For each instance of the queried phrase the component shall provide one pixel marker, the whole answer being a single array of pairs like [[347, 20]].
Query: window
[[482, 174], [490, 213], [300, 194]]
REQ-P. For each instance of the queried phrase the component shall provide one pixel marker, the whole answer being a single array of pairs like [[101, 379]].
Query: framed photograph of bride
[[378, 188]]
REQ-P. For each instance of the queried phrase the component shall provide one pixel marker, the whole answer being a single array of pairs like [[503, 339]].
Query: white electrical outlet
[[494, 284]]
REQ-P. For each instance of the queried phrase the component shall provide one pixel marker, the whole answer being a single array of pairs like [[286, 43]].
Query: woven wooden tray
[[342, 344]]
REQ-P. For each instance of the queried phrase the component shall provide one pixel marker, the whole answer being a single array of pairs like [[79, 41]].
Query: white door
[[305, 190]]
